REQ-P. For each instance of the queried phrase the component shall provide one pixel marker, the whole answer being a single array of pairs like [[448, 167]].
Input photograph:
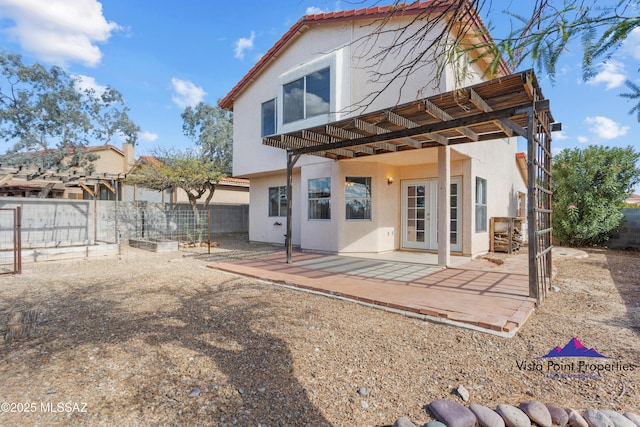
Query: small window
[[307, 96], [269, 117], [277, 201], [481, 205], [320, 198], [357, 192]]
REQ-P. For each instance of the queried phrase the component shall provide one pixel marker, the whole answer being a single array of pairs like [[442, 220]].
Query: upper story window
[[307, 96], [269, 118]]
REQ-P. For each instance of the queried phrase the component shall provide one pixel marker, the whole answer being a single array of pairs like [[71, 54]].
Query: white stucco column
[[444, 205]]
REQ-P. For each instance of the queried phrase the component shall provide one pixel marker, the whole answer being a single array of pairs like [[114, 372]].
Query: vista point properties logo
[[561, 363]]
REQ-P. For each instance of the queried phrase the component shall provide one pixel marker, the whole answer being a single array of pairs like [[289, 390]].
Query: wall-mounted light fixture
[[389, 180]]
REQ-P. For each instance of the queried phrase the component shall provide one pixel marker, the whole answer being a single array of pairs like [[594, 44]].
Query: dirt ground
[[160, 339]]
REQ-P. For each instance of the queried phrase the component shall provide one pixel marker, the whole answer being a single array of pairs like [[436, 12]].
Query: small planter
[[154, 245]]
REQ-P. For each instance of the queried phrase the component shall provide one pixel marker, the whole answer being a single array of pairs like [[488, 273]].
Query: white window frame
[[275, 117], [311, 200], [367, 198], [330, 61], [481, 205], [282, 190]]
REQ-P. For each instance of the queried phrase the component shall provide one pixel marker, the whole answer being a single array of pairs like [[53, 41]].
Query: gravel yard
[[160, 339]]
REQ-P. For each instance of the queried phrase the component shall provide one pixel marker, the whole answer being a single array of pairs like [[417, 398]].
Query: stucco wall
[[60, 222], [351, 53], [347, 49], [495, 162], [265, 228]]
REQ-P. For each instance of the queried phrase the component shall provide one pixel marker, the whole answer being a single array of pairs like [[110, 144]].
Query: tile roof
[[303, 24], [235, 181]]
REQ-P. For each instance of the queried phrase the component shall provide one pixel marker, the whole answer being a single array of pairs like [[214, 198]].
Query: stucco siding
[[272, 229]]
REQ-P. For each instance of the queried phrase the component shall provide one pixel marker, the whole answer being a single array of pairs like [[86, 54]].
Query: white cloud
[[313, 10], [58, 31], [612, 73], [632, 43], [88, 83], [583, 139], [606, 128], [559, 136], [148, 136], [243, 44], [186, 93]]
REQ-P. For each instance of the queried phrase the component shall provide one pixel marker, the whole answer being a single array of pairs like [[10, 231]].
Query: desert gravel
[[161, 339]]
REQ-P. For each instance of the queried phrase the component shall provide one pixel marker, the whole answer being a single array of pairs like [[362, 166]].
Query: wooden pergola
[[504, 107], [68, 177]]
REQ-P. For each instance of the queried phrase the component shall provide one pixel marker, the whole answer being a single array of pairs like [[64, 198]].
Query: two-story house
[[313, 89]]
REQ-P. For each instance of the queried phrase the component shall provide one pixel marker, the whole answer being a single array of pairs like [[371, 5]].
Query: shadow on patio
[[476, 295]]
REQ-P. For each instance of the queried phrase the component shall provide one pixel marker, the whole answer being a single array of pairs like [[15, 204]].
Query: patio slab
[[489, 301]]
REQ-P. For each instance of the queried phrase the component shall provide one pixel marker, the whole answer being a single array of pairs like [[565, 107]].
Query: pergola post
[[444, 205], [531, 206], [291, 161]]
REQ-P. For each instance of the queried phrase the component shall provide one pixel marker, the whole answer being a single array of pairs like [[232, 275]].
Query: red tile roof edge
[[349, 15], [235, 181]]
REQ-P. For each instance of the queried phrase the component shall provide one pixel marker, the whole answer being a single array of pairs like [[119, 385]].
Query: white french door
[[420, 214]]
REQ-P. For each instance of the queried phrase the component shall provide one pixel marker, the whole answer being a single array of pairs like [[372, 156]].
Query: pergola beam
[[430, 128], [438, 113], [86, 188], [6, 179]]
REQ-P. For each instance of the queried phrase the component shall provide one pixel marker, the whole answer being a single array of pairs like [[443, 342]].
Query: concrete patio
[[475, 294]]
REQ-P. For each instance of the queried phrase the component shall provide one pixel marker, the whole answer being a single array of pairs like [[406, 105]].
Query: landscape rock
[[512, 416], [633, 417], [617, 419], [194, 392], [364, 391], [596, 418], [463, 393], [452, 414], [434, 424], [558, 415], [403, 422], [487, 417], [575, 419], [537, 412]]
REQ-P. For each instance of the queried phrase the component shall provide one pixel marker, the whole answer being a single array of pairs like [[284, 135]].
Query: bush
[[589, 191]]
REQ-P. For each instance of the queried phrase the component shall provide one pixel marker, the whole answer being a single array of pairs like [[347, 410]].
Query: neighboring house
[[110, 163], [633, 200], [313, 76], [113, 162]]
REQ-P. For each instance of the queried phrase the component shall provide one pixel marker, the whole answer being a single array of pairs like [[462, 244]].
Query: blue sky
[[163, 56]]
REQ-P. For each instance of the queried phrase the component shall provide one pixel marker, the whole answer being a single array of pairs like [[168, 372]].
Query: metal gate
[[10, 241]]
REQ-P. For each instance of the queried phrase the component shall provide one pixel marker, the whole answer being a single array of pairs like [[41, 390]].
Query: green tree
[[185, 170], [198, 171], [47, 119], [589, 191], [211, 128]]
